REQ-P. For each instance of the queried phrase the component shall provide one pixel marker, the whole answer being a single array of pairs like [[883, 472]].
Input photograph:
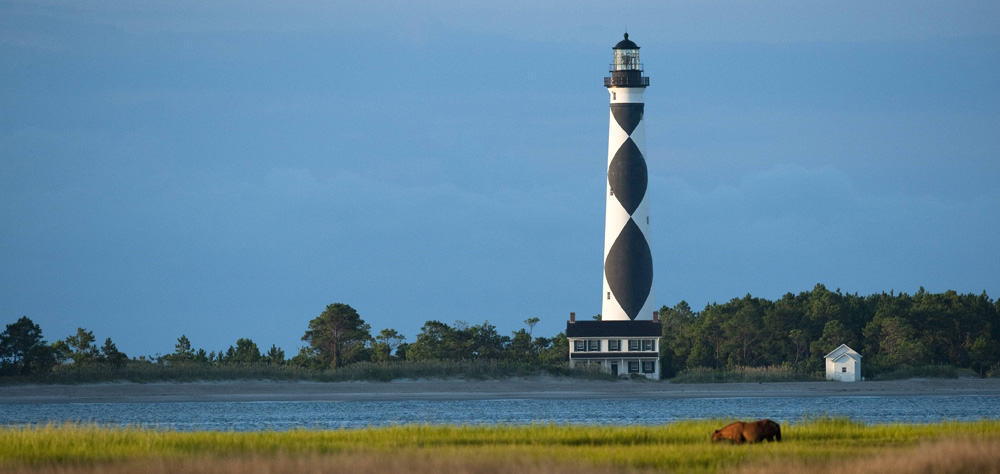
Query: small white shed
[[843, 364]]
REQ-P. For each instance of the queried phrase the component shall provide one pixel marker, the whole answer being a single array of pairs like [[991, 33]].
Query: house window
[[843, 369], [633, 367], [579, 346], [633, 345], [614, 344], [593, 345], [647, 345], [648, 366]]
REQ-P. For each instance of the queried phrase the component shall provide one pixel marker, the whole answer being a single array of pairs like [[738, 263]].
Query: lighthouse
[[628, 262], [626, 339]]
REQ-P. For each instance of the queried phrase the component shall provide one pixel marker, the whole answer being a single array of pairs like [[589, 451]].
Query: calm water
[[245, 416]]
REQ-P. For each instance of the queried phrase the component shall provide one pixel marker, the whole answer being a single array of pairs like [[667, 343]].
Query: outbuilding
[[843, 364]]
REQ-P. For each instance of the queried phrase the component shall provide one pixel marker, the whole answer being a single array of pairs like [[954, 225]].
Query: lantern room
[[626, 70]]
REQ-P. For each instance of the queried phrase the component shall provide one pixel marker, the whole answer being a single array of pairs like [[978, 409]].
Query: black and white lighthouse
[[627, 338], [628, 262]]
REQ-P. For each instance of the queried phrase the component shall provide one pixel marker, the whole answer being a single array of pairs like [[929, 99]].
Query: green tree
[[385, 344], [741, 330], [246, 352], [307, 358], [778, 345], [81, 347], [675, 347], [182, 351], [708, 339], [436, 341], [274, 356], [801, 342], [896, 342], [111, 355], [338, 334], [531, 322], [985, 353], [557, 350], [401, 350], [23, 351], [520, 347], [482, 342], [834, 334]]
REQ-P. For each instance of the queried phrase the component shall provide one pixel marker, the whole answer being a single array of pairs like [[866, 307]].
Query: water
[[250, 416]]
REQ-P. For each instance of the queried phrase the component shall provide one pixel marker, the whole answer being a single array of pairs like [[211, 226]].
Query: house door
[[614, 369]]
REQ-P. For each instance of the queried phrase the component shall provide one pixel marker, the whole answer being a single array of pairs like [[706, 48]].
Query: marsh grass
[[681, 446], [745, 374], [965, 455], [923, 371], [370, 371]]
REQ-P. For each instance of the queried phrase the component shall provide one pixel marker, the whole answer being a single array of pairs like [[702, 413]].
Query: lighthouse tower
[[628, 262], [626, 339]]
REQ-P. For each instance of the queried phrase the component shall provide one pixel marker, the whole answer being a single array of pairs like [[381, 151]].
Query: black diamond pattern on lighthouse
[[629, 269], [628, 266], [627, 176]]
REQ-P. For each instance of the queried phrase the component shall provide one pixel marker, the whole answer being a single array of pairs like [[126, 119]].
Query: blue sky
[[226, 169]]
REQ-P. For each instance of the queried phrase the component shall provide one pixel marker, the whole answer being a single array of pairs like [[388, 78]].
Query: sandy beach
[[458, 389]]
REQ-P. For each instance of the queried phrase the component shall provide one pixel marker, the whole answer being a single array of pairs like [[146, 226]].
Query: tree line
[[335, 338], [889, 330]]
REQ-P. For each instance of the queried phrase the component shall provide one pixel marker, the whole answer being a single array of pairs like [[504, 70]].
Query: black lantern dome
[[626, 70], [626, 44]]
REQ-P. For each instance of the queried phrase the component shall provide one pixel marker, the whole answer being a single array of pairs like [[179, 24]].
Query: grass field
[[822, 445]]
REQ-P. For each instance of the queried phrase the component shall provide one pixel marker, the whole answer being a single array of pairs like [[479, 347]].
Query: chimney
[[656, 316], [572, 317]]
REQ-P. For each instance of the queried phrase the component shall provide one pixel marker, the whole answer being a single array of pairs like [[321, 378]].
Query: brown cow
[[755, 432]]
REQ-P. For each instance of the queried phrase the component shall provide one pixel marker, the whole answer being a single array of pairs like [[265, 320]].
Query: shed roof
[[843, 350]]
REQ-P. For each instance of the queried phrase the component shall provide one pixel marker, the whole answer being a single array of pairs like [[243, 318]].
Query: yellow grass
[[678, 447]]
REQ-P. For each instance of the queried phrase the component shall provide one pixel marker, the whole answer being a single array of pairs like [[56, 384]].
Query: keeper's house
[[616, 347]]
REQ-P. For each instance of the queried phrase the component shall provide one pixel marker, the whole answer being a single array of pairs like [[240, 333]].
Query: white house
[[843, 364], [615, 347]]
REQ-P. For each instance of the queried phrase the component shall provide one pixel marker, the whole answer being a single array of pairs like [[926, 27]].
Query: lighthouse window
[[613, 96], [609, 295]]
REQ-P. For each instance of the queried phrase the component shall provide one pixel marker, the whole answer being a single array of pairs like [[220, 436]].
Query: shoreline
[[537, 387]]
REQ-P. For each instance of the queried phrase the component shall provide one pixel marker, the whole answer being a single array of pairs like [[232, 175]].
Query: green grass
[[682, 446]]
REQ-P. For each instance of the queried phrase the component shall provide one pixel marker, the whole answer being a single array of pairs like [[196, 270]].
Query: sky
[[226, 169]]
